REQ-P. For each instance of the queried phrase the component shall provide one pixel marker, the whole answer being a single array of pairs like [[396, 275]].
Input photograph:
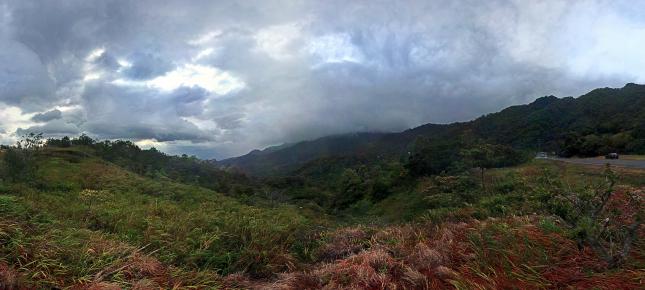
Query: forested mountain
[[285, 158], [601, 121]]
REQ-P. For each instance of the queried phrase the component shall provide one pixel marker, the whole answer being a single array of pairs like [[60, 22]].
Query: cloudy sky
[[219, 78]]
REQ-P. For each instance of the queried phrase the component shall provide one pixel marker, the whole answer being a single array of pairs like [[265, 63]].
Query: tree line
[[20, 161]]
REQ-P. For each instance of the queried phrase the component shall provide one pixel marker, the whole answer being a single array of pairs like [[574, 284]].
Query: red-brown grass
[[344, 242], [9, 278], [511, 253]]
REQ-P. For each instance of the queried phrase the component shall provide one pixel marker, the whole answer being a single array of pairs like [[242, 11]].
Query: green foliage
[[155, 164], [483, 155], [549, 225], [186, 225], [19, 162], [451, 191], [16, 165], [350, 188], [430, 157], [586, 211], [83, 140], [336, 184]]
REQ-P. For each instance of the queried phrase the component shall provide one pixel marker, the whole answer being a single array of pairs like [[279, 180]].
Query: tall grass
[[188, 227]]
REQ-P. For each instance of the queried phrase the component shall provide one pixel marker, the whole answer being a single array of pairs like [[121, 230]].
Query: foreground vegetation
[[79, 217]]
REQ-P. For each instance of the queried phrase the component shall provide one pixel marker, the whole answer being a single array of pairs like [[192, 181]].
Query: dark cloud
[[107, 61], [146, 66], [53, 128], [219, 78], [137, 113], [24, 80], [47, 116]]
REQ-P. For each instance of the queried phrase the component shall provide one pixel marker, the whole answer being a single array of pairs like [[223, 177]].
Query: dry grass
[[512, 253], [344, 242], [9, 278]]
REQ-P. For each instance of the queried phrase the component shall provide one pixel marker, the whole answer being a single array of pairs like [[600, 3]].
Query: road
[[598, 161]]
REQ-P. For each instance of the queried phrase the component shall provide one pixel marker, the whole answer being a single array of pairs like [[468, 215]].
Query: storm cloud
[[47, 116], [219, 78]]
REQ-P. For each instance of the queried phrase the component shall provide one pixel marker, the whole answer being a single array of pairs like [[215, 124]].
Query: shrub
[[16, 165], [599, 215]]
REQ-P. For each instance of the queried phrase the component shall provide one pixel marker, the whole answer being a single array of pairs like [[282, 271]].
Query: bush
[[18, 165], [600, 216]]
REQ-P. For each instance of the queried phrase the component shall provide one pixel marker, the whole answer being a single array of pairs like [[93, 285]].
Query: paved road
[[597, 161]]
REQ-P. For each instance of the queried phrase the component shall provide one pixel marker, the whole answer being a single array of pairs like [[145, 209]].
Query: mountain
[[603, 120], [275, 160]]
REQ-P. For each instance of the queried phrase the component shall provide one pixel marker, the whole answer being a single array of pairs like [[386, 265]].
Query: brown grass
[[9, 278], [512, 253], [344, 242]]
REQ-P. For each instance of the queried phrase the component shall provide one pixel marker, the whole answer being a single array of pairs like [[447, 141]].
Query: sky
[[219, 78]]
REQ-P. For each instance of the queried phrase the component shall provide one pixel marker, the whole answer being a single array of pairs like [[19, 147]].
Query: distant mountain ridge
[[603, 119]]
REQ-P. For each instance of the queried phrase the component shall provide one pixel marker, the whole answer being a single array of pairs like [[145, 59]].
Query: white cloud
[[614, 47], [278, 41], [149, 143], [203, 53], [334, 48], [205, 38], [95, 54], [188, 75], [12, 118]]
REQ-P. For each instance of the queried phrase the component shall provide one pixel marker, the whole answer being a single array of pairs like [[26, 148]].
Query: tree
[[570, 144], [428, 157], [31, 141], [485, 156], [350, 188], [83, 140], [65, 142], [19, 162], [480, 156], [16, 165]]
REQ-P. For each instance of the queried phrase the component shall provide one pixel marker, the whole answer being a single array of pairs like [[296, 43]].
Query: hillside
[[601, 121], [83, 222]]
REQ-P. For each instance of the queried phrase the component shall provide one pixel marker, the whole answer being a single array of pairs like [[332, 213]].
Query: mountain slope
[[82, 221], [601, 111], [272, 160], [602, 120]]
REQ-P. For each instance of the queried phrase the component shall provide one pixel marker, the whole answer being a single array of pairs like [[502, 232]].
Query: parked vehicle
[[611, 156]]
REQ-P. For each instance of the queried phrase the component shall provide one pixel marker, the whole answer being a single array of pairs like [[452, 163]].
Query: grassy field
[[634, 157], [86, 216], [88, 224]]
